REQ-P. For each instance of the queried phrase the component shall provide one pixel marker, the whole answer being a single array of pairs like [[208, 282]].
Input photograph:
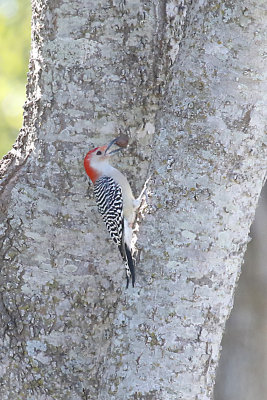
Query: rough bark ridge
[[195, 114]]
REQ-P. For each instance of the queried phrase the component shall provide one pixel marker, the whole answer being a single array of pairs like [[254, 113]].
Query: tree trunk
[[243, 361], [186, 82]]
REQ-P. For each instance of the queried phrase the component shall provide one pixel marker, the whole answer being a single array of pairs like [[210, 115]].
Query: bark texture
[[242, 366], [186, 81]]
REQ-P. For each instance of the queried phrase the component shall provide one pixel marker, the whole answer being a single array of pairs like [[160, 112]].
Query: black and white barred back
[[108, 195]]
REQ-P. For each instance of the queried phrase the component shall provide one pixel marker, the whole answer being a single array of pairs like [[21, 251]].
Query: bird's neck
[[95, 171], [91, 172]]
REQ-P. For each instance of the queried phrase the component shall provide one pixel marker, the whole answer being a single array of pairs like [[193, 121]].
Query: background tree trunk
[[243, 362], [186, 81]]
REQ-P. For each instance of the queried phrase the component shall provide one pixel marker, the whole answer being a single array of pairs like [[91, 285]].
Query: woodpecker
[[115, 201]]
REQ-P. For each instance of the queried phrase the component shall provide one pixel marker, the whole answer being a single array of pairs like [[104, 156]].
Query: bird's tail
[[129, 263], [130, 266]]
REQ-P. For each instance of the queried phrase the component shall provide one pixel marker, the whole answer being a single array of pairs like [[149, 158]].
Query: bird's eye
[[98, 153]]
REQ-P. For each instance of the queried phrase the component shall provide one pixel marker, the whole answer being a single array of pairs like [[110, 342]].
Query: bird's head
[[96, 160]]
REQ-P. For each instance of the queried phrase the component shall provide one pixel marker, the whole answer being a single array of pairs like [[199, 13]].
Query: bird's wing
[[109, 200]]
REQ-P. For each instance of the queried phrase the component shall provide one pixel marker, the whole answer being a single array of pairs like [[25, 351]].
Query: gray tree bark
[[186, 81], [243, 361]]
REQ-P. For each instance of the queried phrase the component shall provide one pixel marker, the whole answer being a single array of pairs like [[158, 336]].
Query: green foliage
[[15, 33]]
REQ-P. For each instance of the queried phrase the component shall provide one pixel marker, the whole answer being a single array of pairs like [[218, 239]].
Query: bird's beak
[[113, 151]]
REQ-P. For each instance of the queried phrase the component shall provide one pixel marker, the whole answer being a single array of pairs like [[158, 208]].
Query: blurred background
[[15, 35], [243, 365], [242, 369]]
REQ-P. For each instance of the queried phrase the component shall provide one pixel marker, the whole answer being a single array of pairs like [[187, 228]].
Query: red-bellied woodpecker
[[115, 201]]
